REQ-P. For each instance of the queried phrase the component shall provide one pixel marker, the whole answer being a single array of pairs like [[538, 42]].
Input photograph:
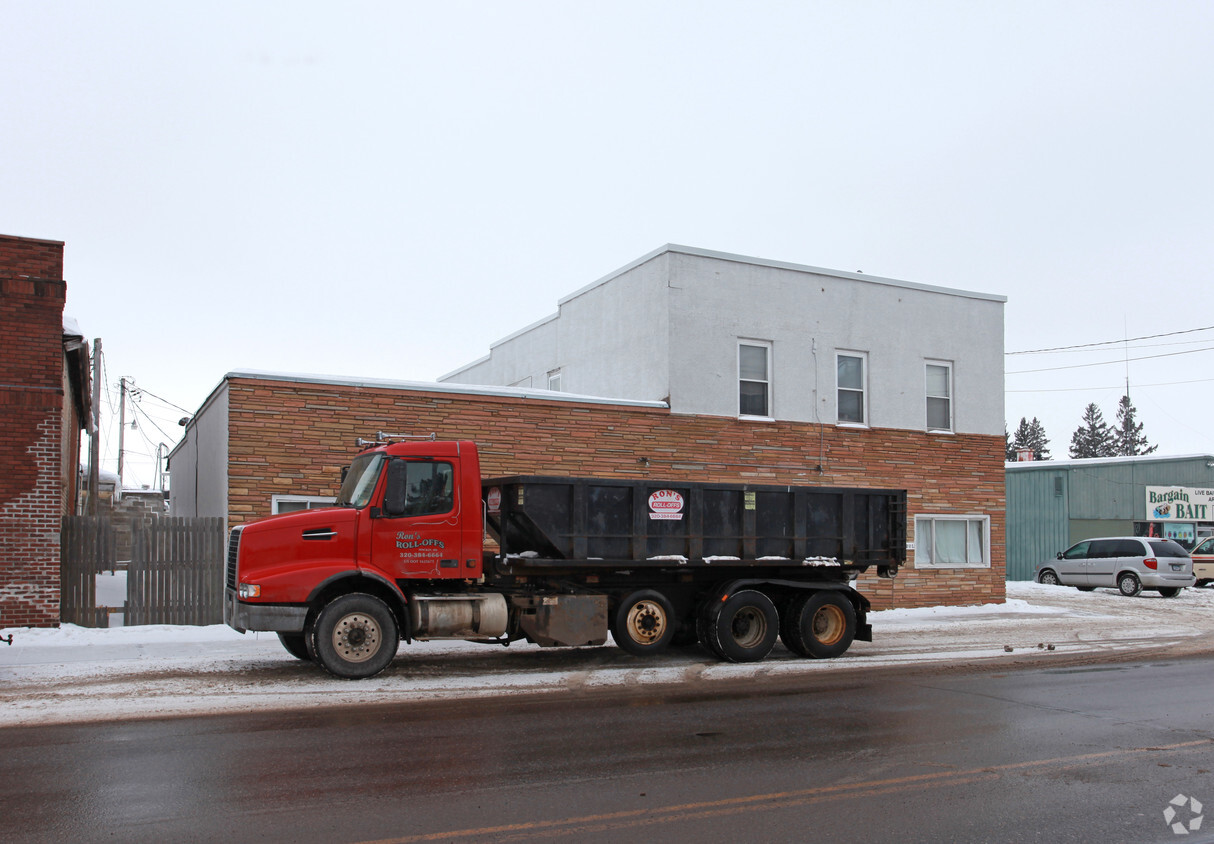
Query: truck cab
[[408, 516]]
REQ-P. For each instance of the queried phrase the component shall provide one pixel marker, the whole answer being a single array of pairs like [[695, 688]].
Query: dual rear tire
[[819, 625], [644, 623], [743, 626]]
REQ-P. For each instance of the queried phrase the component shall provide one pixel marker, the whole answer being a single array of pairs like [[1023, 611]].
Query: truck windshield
[[360, 481]]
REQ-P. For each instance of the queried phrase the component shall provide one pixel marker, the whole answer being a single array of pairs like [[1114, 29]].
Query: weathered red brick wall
[[32, 294], [293, 438]]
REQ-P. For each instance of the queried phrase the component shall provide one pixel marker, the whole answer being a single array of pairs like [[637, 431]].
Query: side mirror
[[1059, 555], [396, 486]]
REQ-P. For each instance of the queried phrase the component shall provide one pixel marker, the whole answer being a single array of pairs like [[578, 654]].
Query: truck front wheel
[[821, 625], [643, 623], [355, 636], [296, 645], [742, 628]]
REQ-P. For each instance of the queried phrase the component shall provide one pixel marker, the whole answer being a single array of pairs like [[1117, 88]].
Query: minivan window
[[1167, 548], [1129, 548], [1078, 551], [1102, 548]]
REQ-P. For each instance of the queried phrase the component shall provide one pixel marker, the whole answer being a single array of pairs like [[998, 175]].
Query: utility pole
[[121, 427], [95, 442]]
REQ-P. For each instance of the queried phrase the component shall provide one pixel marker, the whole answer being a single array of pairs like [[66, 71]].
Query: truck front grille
[[233, 553]]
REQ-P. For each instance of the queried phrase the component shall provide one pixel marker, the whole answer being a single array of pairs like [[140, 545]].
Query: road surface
[[1079, 752]]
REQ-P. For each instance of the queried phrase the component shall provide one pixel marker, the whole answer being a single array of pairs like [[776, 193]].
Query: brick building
[[44, 405], [265, 443]]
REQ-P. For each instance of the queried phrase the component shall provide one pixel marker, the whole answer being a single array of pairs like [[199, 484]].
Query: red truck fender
[[370, 582]]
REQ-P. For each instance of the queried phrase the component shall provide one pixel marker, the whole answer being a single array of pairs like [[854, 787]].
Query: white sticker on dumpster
[[666, 504]]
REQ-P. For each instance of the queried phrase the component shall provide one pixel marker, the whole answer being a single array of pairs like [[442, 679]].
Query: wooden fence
[[174, 575], [86, 548]]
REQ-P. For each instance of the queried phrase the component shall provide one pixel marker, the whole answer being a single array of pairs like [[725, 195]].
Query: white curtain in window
[[950, 542], [752, 363], [976, 554]]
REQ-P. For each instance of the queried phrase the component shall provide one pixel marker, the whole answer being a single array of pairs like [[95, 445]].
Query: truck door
[[417, 532]]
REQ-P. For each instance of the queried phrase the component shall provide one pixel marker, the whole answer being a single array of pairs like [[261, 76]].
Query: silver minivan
[[1128, 563]]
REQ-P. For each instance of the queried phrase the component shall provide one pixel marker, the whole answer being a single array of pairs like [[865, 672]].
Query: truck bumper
[[244, 616]]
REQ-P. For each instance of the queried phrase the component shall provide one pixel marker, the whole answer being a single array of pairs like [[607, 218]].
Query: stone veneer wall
[[293, 438]]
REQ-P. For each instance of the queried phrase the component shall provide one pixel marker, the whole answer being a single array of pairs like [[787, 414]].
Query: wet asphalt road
[[1081, 753]]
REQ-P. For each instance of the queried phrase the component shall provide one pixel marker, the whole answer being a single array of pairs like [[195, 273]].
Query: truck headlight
[[248, 590]]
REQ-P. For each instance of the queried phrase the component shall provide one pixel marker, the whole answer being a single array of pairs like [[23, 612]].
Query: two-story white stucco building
[[728, 335]]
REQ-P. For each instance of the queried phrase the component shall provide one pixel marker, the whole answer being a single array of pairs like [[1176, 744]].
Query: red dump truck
[[418, 546]]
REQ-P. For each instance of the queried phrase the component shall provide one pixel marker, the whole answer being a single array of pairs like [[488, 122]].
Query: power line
[[144, 414], [1110, 342], [1108, 362], [165, 401], [1118, 387]]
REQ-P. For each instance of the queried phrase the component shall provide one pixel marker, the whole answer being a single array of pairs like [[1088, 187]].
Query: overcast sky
[[384, 189]]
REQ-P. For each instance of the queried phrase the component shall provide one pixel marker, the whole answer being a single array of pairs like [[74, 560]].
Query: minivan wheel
[[1048, 578], [1169, 591], [1129, 584]]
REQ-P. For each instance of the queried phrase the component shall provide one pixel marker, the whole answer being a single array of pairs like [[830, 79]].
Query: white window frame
[[863, 357], [554, 380], [977, 527], [765, 345], [950, 397], [311, 502]]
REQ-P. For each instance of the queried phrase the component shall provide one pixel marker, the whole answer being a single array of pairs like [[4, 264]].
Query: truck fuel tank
[[479, 616]]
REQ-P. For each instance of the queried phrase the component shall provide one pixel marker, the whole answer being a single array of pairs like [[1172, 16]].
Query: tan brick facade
[[288, 437]]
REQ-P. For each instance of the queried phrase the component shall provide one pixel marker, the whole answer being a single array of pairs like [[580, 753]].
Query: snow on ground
[[73, 674]]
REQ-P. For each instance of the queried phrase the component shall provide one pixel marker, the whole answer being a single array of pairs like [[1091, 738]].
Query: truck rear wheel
[[643, 623], [742, 628], [821, 625], [355, 636]]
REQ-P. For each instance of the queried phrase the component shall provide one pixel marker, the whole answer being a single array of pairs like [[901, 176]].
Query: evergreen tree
[[1093, 438], [1030, 435], [1128, 433], [1007, 444]]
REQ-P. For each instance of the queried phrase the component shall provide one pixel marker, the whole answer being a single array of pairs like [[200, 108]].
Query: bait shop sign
[[1165, 503]]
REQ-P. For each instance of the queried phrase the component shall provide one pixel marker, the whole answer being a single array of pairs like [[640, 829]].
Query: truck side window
[[429, 488]]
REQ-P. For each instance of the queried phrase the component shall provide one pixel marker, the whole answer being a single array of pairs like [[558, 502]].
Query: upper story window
[[754, 379], [554, 380], [939, 396], [851, 374]]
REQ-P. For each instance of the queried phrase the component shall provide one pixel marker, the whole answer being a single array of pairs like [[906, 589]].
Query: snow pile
[[75, 674]]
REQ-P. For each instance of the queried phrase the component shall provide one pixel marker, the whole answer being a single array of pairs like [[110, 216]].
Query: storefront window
[[1183, 532]]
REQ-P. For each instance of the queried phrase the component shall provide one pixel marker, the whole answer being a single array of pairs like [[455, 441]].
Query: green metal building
[[1052, 504]]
